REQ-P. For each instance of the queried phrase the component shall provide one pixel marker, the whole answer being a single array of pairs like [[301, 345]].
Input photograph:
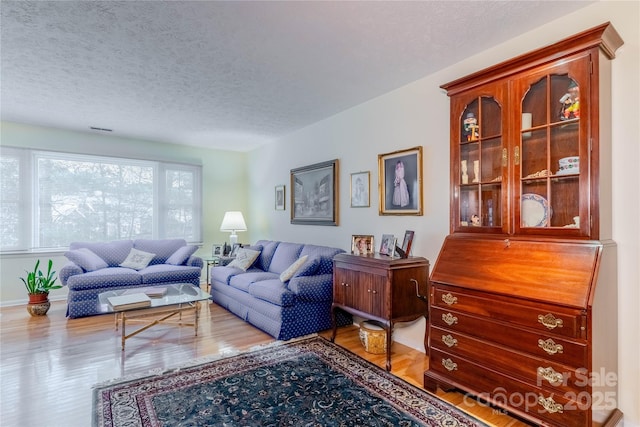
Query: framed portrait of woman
[[400, 182]]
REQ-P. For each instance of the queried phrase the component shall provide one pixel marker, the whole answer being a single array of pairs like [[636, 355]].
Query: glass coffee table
[[178, 299]]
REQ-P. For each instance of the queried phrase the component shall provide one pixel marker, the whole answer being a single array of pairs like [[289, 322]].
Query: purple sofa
[[285, 310], [94, 267]]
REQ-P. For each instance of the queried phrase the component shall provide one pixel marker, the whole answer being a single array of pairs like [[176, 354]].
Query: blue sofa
[[95, 267], [285, 310]]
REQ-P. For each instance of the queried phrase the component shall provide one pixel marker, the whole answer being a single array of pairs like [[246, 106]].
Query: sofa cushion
[[113, 253], [325, 254], [273, 291], [244, 259], [223, 274], [167, 273], [266, 254], [181, 256], [244, 280], [292, 269], [285, 255], [310, 267], [86, 258], [111, 277], [163, 248], [137, 259]]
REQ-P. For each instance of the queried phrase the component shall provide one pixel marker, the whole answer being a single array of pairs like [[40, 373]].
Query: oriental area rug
[[306, 382]]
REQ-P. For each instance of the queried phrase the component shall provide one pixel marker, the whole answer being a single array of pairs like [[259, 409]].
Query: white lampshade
[[233, 221]]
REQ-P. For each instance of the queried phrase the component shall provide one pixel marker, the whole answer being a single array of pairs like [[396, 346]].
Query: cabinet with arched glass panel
[[524, 151]]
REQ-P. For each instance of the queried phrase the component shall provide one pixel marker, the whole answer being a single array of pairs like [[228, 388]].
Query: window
[[68, 197]]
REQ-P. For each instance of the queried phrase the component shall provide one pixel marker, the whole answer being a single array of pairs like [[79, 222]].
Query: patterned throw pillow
[[181, 256], [86, 259], [291, 270], [137, 259], [244, 259]]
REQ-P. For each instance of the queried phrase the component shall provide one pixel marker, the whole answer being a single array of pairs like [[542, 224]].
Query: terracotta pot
[[38, 304]]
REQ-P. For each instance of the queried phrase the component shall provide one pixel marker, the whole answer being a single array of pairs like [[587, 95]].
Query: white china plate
[[534, 210]]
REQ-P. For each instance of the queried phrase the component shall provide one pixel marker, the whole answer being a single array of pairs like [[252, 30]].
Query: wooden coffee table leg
[[124, 318]]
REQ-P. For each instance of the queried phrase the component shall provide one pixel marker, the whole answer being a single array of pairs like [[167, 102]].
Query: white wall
[[417, 114], [224, 176]]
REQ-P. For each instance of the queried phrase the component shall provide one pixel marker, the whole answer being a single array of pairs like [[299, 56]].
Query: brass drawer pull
[[550, 321], [549, 404], [549, 374], [449, 319], [449, 299], [550, 346], [449, 365], [449, 340]]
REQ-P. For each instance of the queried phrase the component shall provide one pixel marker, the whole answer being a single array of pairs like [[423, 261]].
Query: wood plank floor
[[49, 364]]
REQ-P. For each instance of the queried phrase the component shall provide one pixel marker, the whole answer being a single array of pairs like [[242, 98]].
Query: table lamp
[[233, 221]]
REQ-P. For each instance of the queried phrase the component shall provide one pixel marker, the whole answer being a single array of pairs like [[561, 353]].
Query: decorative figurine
[[476, 171], [475, 220], [463, 168], [471, 127], [570, 103]]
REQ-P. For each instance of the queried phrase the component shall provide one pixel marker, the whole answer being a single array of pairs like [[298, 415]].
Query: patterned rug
[[308, 382]]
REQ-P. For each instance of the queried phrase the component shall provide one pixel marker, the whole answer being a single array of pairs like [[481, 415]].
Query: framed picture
[[387, 245], [406, 243], [400, 181], [362, 244], [279, 197], [314, 194], [218, 250], [360, 190]]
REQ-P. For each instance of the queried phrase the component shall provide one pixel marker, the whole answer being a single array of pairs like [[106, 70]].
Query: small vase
[[38, 304]]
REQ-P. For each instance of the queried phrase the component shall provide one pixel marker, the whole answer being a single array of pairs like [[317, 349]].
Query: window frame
[[28, 240]]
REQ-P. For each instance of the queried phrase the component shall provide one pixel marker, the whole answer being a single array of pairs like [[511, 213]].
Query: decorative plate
[[534, 210]]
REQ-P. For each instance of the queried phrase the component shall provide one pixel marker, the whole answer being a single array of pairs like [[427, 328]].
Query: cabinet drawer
[[532, 370], [560, 409], [551, 319], [553, 348]]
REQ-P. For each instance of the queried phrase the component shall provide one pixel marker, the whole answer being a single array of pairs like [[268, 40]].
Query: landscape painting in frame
[[400, 181], [314, 194]]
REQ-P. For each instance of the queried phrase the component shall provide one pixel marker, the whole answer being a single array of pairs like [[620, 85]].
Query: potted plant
[[38, 286]]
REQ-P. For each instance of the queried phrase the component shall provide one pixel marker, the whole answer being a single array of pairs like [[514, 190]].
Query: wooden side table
[[381, 289]]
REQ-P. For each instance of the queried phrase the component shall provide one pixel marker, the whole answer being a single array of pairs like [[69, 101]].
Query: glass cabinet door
[[480, 164], [551, 155]]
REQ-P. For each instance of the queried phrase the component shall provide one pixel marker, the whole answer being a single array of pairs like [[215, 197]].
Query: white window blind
[[50, 199]]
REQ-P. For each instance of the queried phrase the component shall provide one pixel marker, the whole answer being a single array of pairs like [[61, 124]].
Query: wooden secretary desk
[[523, 295]]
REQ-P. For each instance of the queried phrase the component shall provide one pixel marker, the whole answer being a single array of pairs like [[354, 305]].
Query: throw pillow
[[291, 270], [137, 259], [181, 256], [309, 268], [244, 259], [86, 259]]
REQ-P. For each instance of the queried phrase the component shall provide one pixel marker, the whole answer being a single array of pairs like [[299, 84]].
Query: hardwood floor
[[49, 364]]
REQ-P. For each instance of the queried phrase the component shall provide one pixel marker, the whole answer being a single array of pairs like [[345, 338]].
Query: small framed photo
[[218, 250], [235, 249], [387, 245], [279, 197], [400, 180], [406, 243], [360, 186], [362, 244]]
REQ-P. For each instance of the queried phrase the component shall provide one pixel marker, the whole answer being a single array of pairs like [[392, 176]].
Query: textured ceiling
[[233, 74]]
